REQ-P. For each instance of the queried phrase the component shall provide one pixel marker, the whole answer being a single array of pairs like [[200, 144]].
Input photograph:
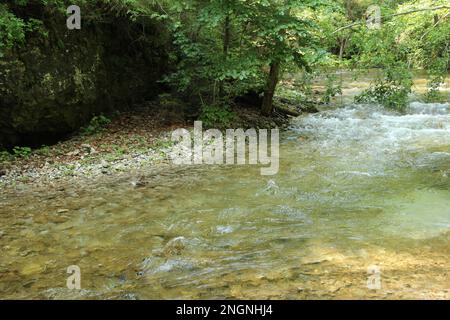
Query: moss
[[48, 90]]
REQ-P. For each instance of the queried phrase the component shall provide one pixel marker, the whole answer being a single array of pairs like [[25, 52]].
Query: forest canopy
[[222, 49]]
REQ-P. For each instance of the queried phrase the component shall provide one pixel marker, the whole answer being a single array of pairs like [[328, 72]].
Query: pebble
[[104, 164], [73, 153], [88, 148], [53, 171]]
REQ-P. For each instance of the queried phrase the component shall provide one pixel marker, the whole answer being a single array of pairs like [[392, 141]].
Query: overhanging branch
[[392, 16]]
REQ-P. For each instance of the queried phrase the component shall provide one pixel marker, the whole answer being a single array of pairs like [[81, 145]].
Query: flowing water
[[358, 186]]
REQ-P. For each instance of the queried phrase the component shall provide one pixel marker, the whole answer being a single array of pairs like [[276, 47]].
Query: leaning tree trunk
[[272, 81], [343, 43]]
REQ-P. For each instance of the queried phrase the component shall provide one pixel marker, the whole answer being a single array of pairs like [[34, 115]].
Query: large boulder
[[51, 85]]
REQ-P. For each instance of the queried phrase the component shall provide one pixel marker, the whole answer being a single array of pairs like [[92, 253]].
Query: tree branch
[[434, 26], [392, 16]]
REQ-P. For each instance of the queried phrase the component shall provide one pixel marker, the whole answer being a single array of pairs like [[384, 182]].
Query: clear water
[[358, 186]]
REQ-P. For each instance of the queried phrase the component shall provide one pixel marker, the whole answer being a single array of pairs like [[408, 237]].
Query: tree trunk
[[226, 35], [226, 47], [291, 113], [272, 81], [342, 48]]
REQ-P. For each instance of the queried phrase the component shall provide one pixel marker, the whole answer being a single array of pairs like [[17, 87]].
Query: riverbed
[[358, 186]]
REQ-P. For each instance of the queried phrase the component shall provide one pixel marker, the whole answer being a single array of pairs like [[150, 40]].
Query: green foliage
[[12, 29], [392, 88], [22, 152], [17, 153], [217, 116], [413, 35], [43, 151], [162, 144], [224, 47], [388, 50], [387, 94], [426, 35], [433, 94], [332, 89], [96, 125], [5, 156]]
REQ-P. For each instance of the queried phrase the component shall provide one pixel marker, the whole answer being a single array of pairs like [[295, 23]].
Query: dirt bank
[[130, 142]]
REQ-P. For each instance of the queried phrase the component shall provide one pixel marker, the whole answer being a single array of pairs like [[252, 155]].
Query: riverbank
[[127, 143]]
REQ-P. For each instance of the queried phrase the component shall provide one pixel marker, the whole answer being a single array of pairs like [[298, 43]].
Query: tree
[[238, 45], [281, 36]]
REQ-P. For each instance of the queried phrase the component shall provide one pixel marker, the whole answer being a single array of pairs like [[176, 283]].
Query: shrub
[[5, 156], [96, 125], [216, 116], [387, 93], [21, 152]]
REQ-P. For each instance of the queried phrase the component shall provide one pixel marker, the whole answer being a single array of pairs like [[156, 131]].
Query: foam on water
[[368, 143], [367, 130], [429, 108]]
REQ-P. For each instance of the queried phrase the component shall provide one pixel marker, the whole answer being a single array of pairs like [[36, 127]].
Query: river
[[358, 186]]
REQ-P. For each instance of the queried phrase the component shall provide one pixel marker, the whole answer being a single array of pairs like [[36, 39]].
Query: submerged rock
[[175, 246]]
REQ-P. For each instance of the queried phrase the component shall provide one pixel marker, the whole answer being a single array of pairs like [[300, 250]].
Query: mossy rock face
[[52, 85]]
